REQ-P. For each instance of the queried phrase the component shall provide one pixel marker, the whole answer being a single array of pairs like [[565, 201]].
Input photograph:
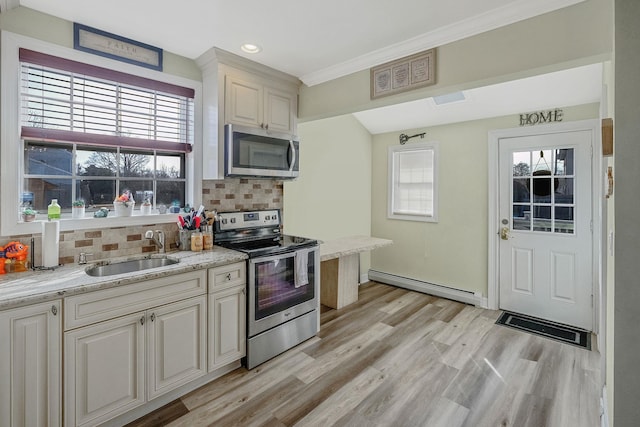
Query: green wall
[[37, 25], [454, 251], [332, 196], [626, 313], [576, 35]]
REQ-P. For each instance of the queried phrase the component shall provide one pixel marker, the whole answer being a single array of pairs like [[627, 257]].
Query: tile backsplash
[[223, 196], [242, 194]]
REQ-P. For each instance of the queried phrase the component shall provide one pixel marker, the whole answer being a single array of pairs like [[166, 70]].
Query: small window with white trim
[[413, 192]]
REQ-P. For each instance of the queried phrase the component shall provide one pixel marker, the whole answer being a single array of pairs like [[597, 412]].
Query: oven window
[[276, 286]]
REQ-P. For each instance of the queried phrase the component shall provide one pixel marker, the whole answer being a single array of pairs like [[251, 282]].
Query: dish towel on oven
[[301, 268]]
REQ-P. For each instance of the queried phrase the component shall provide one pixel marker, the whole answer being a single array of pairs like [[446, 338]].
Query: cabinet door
[[227, 339], [104, 370], [177, 344], [279, 110], [243, 102], [30, 365]]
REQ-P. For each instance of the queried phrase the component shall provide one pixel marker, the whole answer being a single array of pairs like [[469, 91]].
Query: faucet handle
[[82, 258], [161, 240]]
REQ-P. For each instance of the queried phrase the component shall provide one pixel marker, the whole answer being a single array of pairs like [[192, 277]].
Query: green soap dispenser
[[53, 210]]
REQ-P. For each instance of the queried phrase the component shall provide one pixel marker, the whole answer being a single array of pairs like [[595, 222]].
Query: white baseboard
[[364, 278], [466, 297]]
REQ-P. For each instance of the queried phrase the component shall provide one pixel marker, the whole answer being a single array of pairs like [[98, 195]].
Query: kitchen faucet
[[159, 242]]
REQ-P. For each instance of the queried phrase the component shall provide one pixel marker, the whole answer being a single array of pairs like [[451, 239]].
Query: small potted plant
[[123, 204], [77, 209], [28, 214], [145, 207]]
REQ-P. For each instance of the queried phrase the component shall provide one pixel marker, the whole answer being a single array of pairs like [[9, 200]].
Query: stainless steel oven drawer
[[271, 343]]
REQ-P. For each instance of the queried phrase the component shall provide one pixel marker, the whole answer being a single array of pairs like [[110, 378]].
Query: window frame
[[10, 129], [431, 146]]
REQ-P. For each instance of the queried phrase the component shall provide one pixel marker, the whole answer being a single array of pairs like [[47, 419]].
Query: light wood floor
[[401, 358]]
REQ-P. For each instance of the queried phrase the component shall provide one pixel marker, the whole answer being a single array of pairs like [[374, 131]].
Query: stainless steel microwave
[[259, 153]]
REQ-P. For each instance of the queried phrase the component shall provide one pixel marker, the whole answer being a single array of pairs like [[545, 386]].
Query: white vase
[[121, 209], [77, 212]]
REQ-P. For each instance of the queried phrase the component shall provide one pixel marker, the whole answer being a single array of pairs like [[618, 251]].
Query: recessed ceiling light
[[250, 48]]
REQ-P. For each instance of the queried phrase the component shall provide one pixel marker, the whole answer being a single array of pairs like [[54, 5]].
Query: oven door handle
[[284, 254]]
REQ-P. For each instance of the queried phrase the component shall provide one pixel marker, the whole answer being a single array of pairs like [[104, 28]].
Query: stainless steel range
[[283, 282]]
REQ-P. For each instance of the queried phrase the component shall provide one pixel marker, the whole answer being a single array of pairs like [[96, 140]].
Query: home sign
[[541, 117]]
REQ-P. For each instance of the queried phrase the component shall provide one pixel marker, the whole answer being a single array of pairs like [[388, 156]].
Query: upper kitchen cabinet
[[254, 103], [239, 91]]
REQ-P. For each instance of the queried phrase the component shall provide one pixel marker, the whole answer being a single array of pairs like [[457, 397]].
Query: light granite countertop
[[349, 245], [19, 289]]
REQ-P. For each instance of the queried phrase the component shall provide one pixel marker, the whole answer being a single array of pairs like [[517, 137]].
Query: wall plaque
[[109, 45], [404, 74]]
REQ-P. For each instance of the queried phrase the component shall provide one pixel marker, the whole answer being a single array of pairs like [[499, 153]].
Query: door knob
[[504, 233]]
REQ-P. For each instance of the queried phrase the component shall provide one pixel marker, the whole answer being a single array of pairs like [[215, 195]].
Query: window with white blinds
[[412, 182], [90, 133], [69, 101]]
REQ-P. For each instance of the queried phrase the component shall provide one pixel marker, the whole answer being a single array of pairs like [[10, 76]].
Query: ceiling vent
[[449, 98]]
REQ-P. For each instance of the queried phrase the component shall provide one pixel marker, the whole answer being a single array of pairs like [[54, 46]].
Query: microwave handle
[[292, 155]]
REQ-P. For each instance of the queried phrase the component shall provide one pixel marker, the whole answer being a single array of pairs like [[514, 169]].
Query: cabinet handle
[[153, 317], [228, 276], [54, 310], [142, 320]]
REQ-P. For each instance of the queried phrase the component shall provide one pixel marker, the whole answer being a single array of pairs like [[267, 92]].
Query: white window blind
[[412, 182], [64, 100]]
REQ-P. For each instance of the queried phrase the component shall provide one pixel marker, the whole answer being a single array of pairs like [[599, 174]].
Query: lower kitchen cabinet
[[117, 365], [177, 345], [227, 314], [30, 365], [227, 338], [127, 345], [104, 370]]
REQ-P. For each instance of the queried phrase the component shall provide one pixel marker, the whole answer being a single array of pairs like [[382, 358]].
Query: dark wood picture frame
[[102, 43]]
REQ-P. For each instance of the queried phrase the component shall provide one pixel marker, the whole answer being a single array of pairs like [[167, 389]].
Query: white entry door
[[545, 230]]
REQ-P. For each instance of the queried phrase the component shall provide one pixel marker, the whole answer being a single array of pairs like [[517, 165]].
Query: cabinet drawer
[[227, 276], [106, 304]]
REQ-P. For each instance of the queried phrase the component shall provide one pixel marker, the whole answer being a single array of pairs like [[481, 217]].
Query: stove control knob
[[274, 217], [233, 220], [267, 218], [224, 220]]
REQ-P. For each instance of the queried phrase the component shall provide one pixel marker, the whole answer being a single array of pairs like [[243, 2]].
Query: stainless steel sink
[[129, 266]]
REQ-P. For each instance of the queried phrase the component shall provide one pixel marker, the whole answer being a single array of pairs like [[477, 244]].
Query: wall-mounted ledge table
[[340, 268]]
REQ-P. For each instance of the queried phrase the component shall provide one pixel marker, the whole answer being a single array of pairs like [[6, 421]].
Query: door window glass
[[543, 187]]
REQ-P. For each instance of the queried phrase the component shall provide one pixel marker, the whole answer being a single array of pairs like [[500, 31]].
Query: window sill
[[408, 217], [89, 223]]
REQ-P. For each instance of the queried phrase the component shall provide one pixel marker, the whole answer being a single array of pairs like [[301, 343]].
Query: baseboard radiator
[[466, 297]]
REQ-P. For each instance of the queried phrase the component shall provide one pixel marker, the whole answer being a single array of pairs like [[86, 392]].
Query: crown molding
[[216, 56], [487, 21]]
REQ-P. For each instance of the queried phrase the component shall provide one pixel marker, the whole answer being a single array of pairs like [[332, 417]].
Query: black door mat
[[556, 331]]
